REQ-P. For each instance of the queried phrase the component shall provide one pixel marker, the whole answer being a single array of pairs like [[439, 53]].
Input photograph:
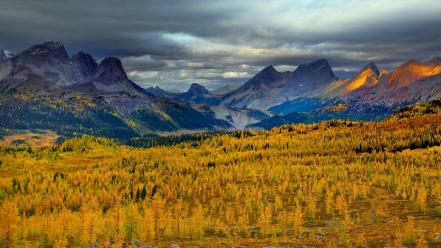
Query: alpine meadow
[[189, 123]]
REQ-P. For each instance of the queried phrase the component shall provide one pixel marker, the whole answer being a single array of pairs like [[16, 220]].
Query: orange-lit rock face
[[411, 72], [365, 78]]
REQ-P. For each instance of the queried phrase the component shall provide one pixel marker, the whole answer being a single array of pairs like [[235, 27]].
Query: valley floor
[[331, 184]]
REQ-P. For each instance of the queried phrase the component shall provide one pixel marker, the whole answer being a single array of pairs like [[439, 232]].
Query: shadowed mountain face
[[110, 71], [43, 53], [110, 77], [85, 63], [313, 75], [49, 60], [197, 89], [270, 87]]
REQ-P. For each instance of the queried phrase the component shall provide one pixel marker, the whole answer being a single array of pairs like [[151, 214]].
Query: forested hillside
[[71, 116], [67, 116], [329, 184]]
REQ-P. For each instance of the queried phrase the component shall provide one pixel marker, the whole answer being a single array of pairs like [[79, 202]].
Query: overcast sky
[[176, 43]]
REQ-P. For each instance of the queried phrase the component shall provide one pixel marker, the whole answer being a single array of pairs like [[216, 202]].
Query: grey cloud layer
[[175, 43]]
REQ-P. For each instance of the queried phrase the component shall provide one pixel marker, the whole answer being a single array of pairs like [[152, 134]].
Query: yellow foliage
[[357, 181]]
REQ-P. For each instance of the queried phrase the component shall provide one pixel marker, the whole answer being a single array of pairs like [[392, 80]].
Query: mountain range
[[43, 87]]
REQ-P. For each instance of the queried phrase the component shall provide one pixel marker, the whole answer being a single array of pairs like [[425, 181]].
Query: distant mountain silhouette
[[195, 94]]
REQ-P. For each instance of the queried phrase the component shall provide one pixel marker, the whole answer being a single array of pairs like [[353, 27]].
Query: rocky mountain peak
[[321, 65], [198, 89], [158, 91], [371, 66], [85, 63], [269, 69], [47, 50], [266, 76], [53, 44], [111, 66], [316, 74], [111, 77], [368, 76]]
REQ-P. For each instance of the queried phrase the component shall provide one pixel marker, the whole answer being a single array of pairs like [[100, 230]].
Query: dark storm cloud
[[217, 42]]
